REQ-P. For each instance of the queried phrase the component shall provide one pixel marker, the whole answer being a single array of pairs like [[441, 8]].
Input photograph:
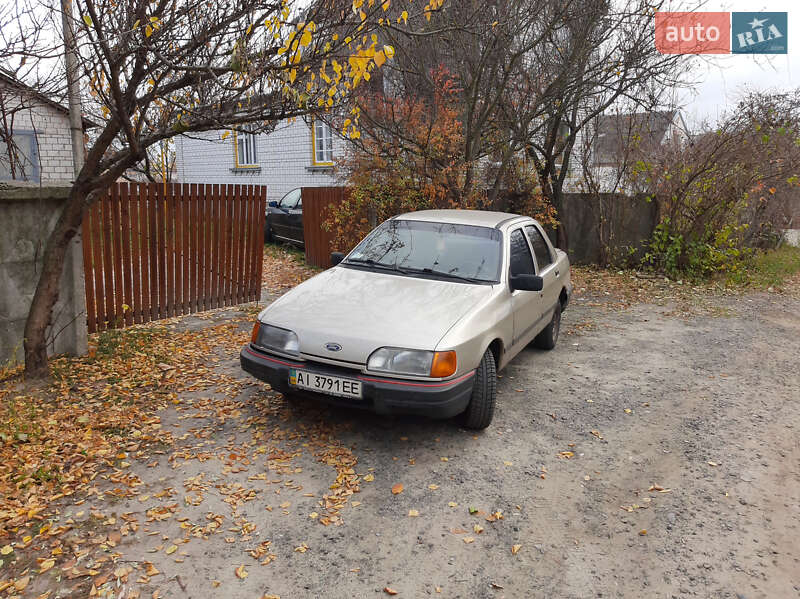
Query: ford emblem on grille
[[333, 347]]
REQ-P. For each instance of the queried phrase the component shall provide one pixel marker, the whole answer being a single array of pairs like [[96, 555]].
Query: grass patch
[[773, 267]]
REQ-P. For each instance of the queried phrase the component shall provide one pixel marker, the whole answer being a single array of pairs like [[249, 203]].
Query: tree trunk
[[47, 289]]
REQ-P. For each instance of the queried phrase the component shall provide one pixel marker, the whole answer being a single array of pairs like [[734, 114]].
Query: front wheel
[[480, 411], [548, 338]]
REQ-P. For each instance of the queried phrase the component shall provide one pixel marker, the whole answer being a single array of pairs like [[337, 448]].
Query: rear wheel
[[480, 411], [548, 338]]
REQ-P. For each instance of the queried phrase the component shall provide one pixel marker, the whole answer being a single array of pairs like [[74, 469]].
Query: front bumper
[[435, 399]]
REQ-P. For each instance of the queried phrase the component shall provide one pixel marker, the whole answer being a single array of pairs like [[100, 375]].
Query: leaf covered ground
[[154, 467]]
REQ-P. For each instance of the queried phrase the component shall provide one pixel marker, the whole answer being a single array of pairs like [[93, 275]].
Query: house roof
[[9, 79], [615, 131]]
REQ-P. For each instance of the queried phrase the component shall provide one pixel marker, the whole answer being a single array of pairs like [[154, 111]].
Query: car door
[[525, 305], [280, 217], [295, 220], [545, 267]]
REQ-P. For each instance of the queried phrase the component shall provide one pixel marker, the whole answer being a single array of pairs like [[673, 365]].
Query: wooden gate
[[318, 242], [152, 251]]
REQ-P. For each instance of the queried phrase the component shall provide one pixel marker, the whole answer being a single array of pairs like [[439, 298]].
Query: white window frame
[[245, 156], [321, 143]]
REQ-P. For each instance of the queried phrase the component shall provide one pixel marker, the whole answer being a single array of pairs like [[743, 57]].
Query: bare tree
[[155, 69]]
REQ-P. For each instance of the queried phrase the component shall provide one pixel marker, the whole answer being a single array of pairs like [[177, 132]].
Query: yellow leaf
[[386, 4], [171, 549], [46, 565], [380, 59], [507, 463], [313, 515], [6, 549], [22, 583], [369, 478], [452, 504], [515, 549], [478, 529], [305, 39], [88, 20], [643, 532], [413, 513], [226, 134], [397, 489], [404, 16], [468, 540], [241, 572], [148, 31], [389, 51], [628, 410], [433, 487]]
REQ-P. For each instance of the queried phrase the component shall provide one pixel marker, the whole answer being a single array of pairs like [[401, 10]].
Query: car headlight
[[396, 360], [275, 338]]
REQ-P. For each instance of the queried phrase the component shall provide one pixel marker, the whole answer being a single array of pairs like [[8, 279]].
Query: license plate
[[322, 383]]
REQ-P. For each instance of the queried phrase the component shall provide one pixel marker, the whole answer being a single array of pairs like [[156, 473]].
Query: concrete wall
[[28, 213], [50, 127], [284, 160]]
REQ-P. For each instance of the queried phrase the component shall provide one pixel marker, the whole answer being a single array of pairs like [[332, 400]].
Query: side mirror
[[526, 282], [273, 204], [336, 258]]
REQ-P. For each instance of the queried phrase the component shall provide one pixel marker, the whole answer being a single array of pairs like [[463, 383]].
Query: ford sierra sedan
[[418, 318]]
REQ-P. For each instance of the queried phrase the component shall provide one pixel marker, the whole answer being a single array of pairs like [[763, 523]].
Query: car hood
[[363, 310]]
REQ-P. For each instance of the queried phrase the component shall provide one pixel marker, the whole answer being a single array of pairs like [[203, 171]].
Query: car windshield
[[435, 249]]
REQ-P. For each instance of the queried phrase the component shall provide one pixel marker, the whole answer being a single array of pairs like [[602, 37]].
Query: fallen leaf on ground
[[46, 565], [389, 591], [369, 478], [241, 572], [478, 529], [413, 513], [468, 540], [515, 549], [643, 532], [397, 489]]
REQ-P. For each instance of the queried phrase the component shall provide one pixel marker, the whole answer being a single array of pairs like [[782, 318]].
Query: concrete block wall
[[284, 160], [28, 213]]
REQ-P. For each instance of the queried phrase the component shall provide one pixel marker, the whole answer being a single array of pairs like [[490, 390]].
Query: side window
[[246, 152], [291, 200], [322, 139], [521, 259], [540, 247]]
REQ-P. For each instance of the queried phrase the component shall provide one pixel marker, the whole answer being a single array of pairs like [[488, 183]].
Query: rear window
[[463, 250]]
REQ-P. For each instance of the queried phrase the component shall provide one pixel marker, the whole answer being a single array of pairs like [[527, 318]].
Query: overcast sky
[[721, 79]]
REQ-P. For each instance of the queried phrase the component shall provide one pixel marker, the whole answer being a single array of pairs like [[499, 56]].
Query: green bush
[[696, 256]]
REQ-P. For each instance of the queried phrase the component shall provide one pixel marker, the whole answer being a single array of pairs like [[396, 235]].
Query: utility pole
[[73, 87], [78, 340]]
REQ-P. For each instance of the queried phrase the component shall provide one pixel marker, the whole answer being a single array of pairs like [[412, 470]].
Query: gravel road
[[648, 455]]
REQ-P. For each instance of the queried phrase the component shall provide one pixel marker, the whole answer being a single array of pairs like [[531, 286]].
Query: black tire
[[548, 338], [480, 411], [267, 232]]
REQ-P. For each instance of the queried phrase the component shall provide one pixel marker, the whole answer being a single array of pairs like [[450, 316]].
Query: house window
[[245, 149], [322, 140], [19, 160]]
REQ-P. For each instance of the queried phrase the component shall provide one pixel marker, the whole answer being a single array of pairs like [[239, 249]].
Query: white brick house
[[35, 141], [294, 154]]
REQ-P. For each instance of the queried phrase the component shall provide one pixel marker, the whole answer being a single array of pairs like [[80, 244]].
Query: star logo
[[755, 23]]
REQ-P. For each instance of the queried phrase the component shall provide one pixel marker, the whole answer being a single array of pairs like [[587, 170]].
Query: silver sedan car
[[419, 317]]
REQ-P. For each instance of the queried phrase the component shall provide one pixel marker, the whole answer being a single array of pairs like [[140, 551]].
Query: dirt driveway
[[649, 455]]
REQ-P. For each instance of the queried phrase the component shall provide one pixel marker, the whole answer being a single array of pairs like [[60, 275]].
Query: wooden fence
[[152, 251], [318, 242]]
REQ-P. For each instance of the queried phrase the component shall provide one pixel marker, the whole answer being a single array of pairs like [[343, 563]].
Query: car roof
[[479, 218]]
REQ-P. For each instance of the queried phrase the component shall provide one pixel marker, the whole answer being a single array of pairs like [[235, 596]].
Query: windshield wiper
[[441, 273], [371, 262]]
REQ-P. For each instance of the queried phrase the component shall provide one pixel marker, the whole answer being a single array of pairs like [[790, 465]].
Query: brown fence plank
[[125, 232], [193, 246], [207, 249], [187, 227], [260, 242], [152, 245], [235, 226], [117, 193], [241, 208], [144, 249], [88, 271], [161, 232], [106, 226], [97, 263], [136, 279], [169, 248], [216, 210], [233, 191], [247, 244]]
